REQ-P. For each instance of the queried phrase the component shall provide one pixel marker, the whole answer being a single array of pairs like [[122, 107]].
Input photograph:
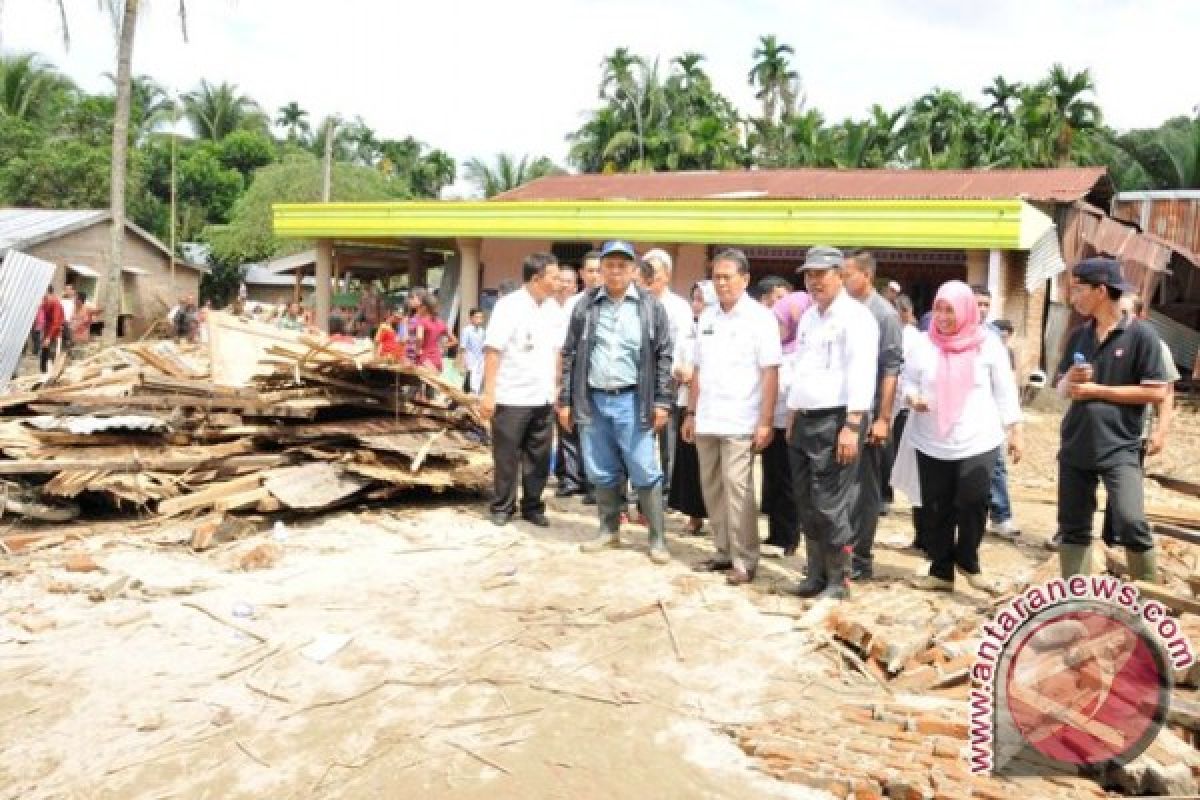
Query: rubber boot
[[1075, 559], [814, 583], [609, 502], [837, 574], [650, 501], [1143, 566]]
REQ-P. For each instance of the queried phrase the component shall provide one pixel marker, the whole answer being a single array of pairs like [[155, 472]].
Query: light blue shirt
[[472, 345], [617, 350]]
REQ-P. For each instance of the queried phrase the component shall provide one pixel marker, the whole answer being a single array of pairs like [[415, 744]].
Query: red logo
[[1086, 688]]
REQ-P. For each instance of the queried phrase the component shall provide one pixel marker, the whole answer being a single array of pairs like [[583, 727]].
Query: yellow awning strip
[[921, 224]]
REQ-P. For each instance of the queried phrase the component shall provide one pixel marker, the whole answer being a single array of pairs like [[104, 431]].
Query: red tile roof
[[1045, 185]]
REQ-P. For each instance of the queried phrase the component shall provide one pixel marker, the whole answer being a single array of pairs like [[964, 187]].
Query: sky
[[476, 78]]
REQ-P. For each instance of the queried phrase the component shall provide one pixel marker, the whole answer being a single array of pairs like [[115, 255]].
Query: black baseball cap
[[1102, 271]]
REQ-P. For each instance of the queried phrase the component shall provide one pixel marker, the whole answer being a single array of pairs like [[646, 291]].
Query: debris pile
[[268, 420]]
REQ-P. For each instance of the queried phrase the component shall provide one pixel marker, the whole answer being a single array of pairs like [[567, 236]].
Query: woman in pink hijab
[[960, 388]]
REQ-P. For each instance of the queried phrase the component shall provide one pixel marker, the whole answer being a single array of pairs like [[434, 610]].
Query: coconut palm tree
[[216, 111], [31, 89], [1167, 157], [294, 119], [777, 82], [690, 75], [507, 173]]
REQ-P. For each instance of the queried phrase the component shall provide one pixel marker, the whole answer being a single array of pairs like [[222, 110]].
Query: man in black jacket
[[616, 385]]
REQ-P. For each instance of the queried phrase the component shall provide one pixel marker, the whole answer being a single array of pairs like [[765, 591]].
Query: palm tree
[[217, 111], [617, 72], [30, 89], [1073, 114], [690, 76], [294, 119], [777, 83], [150, 103], [1002, 93], [1167, 157], [507, 173]]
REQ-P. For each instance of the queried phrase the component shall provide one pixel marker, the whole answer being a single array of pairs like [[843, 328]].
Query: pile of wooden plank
[[262, 419]]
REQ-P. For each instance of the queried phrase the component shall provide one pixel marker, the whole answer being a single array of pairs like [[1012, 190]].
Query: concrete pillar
[[468, 278], [416, 263], [324, 287], [977, 267]]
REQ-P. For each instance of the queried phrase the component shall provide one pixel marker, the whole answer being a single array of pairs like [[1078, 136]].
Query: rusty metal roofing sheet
[[1175, 216], [23, 282], [1045, 185]]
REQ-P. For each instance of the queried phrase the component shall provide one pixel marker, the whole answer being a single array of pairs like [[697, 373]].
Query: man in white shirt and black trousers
[[520, 355], [831, 394], [730, 412]]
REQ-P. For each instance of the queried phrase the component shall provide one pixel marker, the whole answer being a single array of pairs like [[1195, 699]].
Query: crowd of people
[[640, 397]]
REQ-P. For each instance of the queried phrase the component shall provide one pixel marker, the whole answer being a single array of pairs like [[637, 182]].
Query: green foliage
[[246, 151], [30, 89], [507, 172], [249, 237], [215, 111]]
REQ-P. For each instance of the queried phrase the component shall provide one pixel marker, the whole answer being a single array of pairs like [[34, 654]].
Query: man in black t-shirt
[[1111, 369]]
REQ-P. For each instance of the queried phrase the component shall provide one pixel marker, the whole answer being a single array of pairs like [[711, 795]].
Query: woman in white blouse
[[962, 396]]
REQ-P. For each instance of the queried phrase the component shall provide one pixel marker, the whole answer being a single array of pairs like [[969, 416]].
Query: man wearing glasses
[[1111, 369]]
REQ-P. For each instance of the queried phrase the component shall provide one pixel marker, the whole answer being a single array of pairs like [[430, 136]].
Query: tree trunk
[[120, 146]]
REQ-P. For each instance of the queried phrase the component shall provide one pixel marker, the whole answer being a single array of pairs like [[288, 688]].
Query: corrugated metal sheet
[[1045, 261], [1183, 341], [938, 224], [1175, 216], [23, 282], [261, 275], [1088, 231], [21, 227], [1043, 185]]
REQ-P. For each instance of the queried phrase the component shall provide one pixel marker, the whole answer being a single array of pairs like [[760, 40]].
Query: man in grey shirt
[[858, 275]]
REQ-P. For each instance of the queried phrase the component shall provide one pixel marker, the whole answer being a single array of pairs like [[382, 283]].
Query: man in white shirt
[[520, 351], [832, 391], [470, 352], [679, 313], [730, 412]]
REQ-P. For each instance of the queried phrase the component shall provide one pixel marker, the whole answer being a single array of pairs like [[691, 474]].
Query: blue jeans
[[999, 503], [614, 444]]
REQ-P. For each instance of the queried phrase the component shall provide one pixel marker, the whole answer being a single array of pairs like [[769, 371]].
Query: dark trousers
[[825, 490], [666, 449], [865, 517], [1107, 534], [521, 441], [1125, 508], [50, 349], [778, 500], [569, 463], [954, 495]]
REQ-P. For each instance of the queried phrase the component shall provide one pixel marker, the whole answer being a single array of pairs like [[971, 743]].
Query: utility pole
[[327, 186]]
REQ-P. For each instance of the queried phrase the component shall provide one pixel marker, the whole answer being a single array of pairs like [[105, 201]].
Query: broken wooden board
[[208, 496], [313, 485]]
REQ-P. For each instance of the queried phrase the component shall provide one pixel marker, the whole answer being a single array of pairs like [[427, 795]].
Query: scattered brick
[[81, 562]]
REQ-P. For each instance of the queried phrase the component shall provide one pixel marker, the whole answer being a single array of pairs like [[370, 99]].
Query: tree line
[[238, 157]]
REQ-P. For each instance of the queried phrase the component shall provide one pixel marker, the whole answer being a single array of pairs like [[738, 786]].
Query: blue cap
[[618, 248], [1102, 271]]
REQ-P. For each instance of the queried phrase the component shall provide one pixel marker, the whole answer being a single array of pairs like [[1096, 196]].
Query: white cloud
[[477, 78]]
